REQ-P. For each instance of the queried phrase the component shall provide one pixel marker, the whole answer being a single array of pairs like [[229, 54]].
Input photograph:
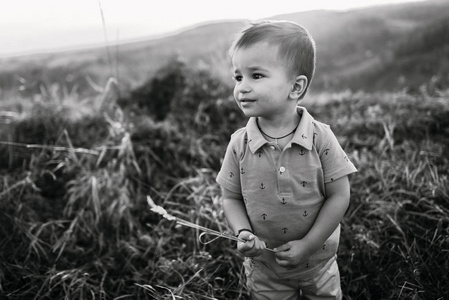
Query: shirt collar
[[303, 135]]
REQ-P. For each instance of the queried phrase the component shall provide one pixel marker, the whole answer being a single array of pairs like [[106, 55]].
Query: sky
[[30, 26]]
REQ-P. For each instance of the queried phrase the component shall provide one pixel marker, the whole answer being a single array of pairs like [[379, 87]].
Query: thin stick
[[108, 51], [55, 148], [160, 210]]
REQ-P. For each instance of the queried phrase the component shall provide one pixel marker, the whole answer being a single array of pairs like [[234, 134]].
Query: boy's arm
[[234, 210], [235, 213], [297, 252]]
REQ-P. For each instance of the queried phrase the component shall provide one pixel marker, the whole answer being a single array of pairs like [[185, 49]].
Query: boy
[[284, 176]]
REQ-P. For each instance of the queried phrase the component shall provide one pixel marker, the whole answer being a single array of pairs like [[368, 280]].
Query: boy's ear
[[299, 87]]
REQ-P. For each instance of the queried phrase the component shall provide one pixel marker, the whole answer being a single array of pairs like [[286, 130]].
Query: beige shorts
[[324, 283]]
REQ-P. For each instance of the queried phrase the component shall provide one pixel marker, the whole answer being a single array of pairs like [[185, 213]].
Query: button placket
[[283, 180]]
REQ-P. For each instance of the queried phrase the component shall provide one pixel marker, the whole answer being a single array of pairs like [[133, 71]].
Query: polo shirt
[[284, 189]]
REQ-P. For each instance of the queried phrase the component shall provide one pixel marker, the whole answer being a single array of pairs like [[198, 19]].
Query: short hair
[[296, 47]]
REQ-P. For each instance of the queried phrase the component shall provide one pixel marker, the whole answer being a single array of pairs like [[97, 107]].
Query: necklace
[[274, 138]]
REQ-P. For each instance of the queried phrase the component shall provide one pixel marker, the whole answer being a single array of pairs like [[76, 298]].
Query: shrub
[[156, 95]]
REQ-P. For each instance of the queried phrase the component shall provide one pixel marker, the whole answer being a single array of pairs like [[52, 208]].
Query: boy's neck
[[279, 126]]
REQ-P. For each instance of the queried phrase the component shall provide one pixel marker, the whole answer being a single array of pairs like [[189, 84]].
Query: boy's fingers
[[247, 243], [282, 248], [285, 264], [249, 237], [281, 262]]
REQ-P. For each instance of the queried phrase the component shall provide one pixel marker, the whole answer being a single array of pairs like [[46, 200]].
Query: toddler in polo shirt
[[284, 177]]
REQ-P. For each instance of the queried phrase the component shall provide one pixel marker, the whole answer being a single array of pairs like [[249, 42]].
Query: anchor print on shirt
[[259, 153], [302, 152], [235, 153], [231, 174], [283, 201], [326, 151], [264, 216], [285, 229], [303, 183], [242, 171], [262, 186], [305, 214]]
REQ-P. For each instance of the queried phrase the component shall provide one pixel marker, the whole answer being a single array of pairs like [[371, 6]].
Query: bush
[[156, 95]]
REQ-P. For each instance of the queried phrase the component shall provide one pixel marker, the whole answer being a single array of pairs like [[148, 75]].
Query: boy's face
[[262, 85]]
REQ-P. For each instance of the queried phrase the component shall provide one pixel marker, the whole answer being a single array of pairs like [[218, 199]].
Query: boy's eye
[[237, 78], [257, 76]]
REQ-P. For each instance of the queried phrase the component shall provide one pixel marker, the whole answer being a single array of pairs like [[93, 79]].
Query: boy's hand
[[252, 247], [292, 254]]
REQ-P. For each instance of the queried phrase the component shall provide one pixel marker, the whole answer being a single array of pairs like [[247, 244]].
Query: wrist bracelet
[[244, 229]]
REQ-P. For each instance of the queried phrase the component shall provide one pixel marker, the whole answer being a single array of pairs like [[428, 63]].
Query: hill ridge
[[354, 48]]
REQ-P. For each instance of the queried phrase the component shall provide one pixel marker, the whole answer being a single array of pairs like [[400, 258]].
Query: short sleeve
[[334, 160], [229, 176]]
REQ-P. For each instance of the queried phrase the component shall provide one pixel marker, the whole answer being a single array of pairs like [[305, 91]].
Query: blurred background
[[362, 45]]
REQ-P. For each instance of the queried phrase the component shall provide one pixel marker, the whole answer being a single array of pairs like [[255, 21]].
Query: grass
[[397, 223], [75, 223]]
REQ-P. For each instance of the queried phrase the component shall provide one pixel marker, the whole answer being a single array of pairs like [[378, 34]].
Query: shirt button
[[273, 148], [282, 169]]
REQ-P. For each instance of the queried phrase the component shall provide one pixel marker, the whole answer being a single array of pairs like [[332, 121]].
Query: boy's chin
[[249, 113]]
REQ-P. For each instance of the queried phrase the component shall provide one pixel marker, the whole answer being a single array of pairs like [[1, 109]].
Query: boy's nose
[[244, 91], [243, 88]]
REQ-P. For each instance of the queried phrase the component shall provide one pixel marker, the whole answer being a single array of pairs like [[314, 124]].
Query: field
[[76, 172]]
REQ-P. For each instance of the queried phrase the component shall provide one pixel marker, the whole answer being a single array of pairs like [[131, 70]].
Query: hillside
[[357, 49]]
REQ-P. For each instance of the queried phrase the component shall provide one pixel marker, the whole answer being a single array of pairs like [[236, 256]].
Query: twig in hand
[[160, 210]]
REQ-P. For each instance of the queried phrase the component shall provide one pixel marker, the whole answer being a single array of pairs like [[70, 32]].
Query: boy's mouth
[[244, 100]]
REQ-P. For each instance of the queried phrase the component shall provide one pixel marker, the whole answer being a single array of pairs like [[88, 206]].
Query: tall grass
[[395, 234], [75, 223]]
